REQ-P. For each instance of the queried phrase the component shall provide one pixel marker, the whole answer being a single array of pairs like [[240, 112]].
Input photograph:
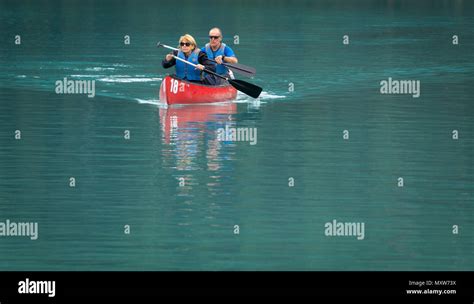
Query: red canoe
[[177, 91]]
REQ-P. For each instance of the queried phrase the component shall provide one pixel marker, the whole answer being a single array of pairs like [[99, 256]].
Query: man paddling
[[220, 52]]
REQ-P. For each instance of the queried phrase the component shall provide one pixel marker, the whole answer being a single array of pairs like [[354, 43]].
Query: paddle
[[234, 67], [243, 86]]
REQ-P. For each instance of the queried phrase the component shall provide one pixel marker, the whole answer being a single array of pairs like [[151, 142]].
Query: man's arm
[[229, 55]]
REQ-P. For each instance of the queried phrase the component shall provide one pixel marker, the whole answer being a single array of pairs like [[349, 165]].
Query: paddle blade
[[245, 87], [241, 69]]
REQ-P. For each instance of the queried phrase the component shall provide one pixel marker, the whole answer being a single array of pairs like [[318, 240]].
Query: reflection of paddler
[[172, 119], [185, 131]]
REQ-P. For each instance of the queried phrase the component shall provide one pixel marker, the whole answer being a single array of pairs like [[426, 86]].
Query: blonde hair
[[189, 39]]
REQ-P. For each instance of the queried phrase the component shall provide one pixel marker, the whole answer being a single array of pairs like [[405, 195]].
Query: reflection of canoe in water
[[177, 91], [172, 119]]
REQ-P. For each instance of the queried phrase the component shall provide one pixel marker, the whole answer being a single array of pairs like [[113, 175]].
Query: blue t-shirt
[[228, 52]]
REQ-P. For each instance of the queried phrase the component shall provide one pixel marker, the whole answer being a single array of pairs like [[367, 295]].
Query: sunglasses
[[184, 43], [214, 37]]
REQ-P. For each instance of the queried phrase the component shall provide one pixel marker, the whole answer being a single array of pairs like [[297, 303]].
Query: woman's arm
[[167, 64], [209, 65]]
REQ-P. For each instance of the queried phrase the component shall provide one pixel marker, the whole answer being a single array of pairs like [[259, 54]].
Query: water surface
[[136, 181]]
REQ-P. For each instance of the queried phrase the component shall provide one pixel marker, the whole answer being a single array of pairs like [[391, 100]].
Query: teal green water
[[136, 181]]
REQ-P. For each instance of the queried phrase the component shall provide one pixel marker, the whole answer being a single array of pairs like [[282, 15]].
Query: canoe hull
[[178, 91]]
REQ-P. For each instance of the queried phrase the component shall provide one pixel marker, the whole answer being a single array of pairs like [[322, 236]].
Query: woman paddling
[[189, 51]]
